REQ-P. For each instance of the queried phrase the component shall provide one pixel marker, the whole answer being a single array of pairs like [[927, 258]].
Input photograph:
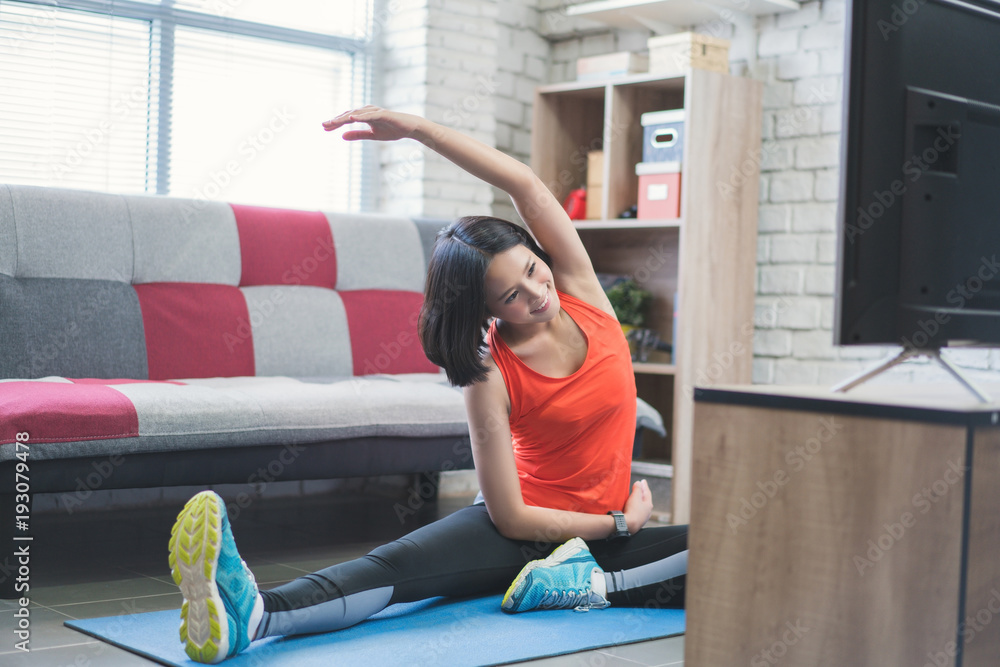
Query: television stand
[[906, 354]]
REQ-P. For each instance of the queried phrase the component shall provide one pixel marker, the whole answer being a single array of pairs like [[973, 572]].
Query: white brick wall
[[800, 59], [440, 61]]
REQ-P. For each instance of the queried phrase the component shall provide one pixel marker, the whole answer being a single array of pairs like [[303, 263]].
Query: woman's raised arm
[[536, 205]]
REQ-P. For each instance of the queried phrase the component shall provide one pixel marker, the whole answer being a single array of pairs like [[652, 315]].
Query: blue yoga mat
[[431, 632]]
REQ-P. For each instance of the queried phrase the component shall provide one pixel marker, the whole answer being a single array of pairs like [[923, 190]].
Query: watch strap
[[621, 526]]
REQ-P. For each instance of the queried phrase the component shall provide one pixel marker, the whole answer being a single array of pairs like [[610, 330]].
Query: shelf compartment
[[567, 127], [650, 256]]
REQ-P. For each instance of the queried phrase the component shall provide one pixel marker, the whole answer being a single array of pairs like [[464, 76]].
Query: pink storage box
[[659, 190]]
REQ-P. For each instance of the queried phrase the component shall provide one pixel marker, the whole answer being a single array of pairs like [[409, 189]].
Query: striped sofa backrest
[[148, 287]]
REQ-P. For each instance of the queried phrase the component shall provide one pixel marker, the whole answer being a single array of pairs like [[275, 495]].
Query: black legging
[[463, 554]]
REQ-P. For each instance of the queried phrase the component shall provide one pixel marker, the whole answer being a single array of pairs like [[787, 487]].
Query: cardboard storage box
[[595, 184], [675, 54], [659, 190], [611, 64], [663, 136]]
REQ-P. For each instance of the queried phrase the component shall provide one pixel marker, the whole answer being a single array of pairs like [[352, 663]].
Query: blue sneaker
[[561, 581], [220, 592]]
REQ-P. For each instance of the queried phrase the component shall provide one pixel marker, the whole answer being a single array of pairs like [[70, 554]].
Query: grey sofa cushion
[[70, 327]]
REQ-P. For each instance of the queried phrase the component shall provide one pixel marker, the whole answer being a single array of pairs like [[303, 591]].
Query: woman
[[550, 395]]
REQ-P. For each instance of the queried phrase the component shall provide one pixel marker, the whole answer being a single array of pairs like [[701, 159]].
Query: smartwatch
[[621, 527]]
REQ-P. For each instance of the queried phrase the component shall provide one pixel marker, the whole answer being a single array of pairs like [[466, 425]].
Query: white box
[[675, 54]]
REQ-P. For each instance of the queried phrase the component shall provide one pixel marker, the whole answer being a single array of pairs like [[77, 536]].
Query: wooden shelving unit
[[706, 258]]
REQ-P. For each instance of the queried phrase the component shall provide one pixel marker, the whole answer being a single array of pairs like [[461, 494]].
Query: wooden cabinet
[[844, 529], [705, 260]]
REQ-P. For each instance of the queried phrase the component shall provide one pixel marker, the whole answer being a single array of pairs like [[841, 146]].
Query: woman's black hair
[[454, 318]]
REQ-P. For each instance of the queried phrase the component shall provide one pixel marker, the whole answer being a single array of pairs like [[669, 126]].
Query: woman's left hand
[[383, 125], [638, 507]]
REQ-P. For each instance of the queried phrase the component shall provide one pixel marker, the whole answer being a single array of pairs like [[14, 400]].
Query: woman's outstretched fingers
[[382, 125], [340, 120]]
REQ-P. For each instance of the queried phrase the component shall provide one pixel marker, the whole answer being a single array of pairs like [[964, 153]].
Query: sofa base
[[75, 479]]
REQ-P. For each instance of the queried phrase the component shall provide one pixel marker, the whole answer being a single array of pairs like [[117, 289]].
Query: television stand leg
[[906, 354]]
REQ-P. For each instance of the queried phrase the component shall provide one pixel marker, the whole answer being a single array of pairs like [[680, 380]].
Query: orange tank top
[[573, 436]]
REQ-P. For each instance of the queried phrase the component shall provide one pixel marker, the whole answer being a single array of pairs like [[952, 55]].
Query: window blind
[[75, 104], [192, 98]]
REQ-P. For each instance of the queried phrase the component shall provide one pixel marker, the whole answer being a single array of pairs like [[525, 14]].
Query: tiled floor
[[109, 563]]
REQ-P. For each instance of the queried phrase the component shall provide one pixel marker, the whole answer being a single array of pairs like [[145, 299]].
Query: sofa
[[150, 341]]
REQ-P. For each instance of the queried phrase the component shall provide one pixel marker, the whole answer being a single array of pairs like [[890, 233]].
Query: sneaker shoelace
[[579, 600]]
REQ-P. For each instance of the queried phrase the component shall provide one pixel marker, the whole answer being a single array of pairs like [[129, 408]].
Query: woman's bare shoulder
[[491, 391]]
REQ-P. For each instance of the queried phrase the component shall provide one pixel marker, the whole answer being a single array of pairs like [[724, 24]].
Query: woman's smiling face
[[519, 287]]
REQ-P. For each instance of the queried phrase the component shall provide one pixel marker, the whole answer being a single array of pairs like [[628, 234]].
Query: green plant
[[629, 301]]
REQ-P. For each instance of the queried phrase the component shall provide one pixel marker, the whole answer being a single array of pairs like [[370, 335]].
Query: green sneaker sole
[[195, 541]]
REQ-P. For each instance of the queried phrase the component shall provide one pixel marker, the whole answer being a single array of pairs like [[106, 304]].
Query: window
[[210, 99]]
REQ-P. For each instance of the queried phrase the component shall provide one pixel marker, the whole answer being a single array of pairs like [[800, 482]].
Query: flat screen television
[[918, 259]]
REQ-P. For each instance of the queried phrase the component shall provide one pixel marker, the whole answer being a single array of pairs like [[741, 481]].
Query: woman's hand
[[382, 125], [638, 507]]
